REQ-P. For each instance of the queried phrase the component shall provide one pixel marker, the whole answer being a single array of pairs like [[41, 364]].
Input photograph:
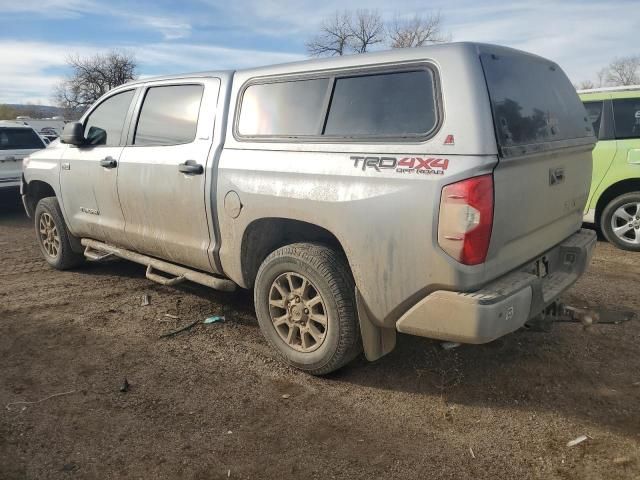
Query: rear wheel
[[53, 236], [305, 303], [620, 221]]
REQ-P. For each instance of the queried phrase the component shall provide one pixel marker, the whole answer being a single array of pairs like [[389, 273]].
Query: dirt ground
[[215, 402]]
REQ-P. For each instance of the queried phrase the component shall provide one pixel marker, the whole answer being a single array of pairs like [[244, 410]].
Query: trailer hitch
[[559, 312]]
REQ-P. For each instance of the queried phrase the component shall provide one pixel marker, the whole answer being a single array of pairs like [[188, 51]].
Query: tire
[[53, 236], [623, 212], [301, 338]]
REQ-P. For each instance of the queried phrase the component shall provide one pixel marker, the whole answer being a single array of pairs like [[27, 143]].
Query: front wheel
[[305, 303], [620, 221], [53, 236]]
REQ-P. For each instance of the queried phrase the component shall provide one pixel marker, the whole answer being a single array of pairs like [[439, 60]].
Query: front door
[[88, 173], [162, 173]]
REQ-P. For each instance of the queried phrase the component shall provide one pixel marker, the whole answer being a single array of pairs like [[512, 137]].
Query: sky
[[36, 36]]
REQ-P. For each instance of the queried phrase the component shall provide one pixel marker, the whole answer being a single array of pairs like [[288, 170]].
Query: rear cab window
[[19, 139], [533, 103], [345, 106], [392, 104], [290, 108]]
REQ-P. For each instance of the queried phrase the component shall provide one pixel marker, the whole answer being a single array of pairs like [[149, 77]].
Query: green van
[[614, 199]]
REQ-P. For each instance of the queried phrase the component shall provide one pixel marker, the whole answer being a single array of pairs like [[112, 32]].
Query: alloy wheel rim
[[298, 312], [49, 235], [625, 223]]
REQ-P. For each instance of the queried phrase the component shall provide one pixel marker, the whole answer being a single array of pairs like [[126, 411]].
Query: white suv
[[16, 142]]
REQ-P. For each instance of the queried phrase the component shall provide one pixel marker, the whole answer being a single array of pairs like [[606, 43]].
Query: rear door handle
[[190, 167], [109, 162]]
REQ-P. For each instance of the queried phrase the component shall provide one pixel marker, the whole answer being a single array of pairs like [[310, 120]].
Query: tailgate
[[545, 140]]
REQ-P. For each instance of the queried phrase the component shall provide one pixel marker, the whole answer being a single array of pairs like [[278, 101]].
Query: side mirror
[[73, 134]]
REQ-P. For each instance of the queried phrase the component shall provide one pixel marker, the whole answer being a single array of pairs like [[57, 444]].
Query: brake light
[[466, 219]]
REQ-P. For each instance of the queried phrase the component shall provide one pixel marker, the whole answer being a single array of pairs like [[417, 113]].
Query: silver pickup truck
[[433, 191]]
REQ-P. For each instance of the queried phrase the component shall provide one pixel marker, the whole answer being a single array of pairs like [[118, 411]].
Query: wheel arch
[[627, 185], [33, 192], [264, 235]]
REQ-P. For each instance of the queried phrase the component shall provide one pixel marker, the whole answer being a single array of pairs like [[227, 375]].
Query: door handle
[[109, 162], [190, 167]]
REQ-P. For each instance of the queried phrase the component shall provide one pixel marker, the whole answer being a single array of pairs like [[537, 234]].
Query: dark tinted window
[[169, 115], [104, 125], [533, 101], [19, 138], [594, 114], [389, 104], [284, 108], [626, 116]]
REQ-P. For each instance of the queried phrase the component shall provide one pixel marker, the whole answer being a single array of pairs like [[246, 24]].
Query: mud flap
[[376, 341]]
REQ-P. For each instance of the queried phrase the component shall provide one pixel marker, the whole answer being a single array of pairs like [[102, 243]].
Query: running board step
[[97, 251]]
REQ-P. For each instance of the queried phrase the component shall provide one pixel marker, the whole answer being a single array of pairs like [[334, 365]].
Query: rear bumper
[[505, 304]]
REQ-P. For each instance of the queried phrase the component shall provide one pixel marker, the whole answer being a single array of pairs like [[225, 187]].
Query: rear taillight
[[466, 218]]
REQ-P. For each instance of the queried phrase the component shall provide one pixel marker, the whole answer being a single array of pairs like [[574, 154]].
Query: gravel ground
[[215, 402]]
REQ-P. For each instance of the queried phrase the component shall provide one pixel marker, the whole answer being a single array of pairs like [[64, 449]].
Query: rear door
[[626, 112], [545, 141], [162, 173], [600, 115], [88, 173], [15, 144]]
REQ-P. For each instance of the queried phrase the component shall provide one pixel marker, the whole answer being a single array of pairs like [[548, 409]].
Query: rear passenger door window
[[104, 125], [169, 115], [385, 105], [626, 115]]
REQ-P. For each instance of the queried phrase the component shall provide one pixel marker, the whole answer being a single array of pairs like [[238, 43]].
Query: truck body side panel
[[385, 221]]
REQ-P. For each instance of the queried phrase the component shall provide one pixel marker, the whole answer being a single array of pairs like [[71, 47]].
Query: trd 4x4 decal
[[419, 165]]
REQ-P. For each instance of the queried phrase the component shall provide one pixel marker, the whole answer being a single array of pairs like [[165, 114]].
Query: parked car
[[49, 127], [433, 191], [49, 133], [16, 142], [614, 199]]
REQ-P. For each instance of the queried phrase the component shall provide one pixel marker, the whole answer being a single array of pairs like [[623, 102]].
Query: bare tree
[[92, 77], [416, 31], [624, 71], [585, 85], [367, 29], [601, 77], [334, 36], [347, 32]]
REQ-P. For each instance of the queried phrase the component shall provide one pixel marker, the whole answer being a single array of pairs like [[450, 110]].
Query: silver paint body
[[386, 222]]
